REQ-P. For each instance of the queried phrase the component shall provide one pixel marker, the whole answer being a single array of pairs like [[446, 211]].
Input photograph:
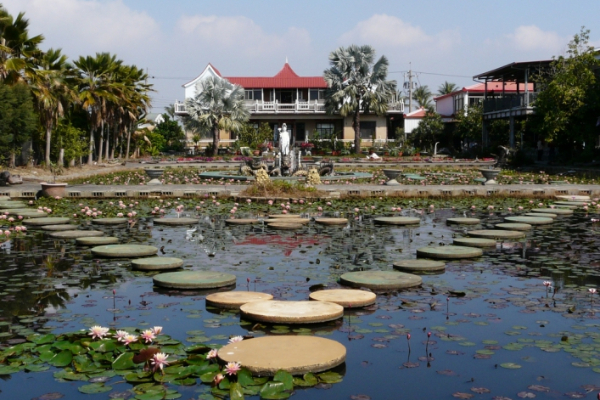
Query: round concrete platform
[[514, 226], [474, 242], [235, 299], [109, 221], [57, 228], [284, 226], [463, 221], [241, 221], [97, 241], [46, 221], [264, 356], [284, 216], [194, 279], [380, 280], [12, 205], [75, 234], [17, 211], [31, 214], [419, 265], [175, 221], [573, 198], [571, 203], [397, 221], [291, 312], [301, 221], [558, 211], [124, 251], [347, 298], [544, 215], [449, 252], [331, 221], [496, 234], [530, 220], [4, 198], [156, 263]]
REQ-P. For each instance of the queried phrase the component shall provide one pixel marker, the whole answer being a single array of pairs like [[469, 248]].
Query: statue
[[284, 140]]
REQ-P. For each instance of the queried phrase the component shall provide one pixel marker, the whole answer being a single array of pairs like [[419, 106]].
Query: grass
[[282, 189]]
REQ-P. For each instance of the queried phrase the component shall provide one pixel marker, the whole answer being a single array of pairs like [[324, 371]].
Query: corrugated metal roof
[[491, 86], [284, 79]]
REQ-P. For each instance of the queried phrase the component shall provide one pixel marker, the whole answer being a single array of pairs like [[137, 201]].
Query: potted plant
[[54, 189]]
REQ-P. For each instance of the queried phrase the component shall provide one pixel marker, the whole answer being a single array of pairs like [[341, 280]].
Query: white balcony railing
[[298, 107]]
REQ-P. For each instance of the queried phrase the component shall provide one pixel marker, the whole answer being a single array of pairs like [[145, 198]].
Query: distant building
[[299, 102]]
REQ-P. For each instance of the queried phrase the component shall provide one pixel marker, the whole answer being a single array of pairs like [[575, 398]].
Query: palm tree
[[356, 83], [446, 88], [52, 91], [422, 95], [219, 105]]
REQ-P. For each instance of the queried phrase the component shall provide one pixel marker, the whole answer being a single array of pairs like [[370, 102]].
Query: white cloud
[[391, 32], [532, 38]]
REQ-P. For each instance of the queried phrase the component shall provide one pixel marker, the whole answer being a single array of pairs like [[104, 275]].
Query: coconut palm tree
[[356, 83], [446, 88], [52, 91], [422, 95], [218, 105]]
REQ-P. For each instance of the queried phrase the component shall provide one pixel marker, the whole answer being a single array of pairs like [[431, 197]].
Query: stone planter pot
[[490, 175], [317, 158], [54, 189], [154, 174], [392, 174]]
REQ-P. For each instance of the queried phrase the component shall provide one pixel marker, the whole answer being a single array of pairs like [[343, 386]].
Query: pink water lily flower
[[129, 339], [212, 354], [236, 339], [120, 335], [148, 335], [98, 332], [159, 360], [547, 283], [232, 368], [157, 330], [593, 291]]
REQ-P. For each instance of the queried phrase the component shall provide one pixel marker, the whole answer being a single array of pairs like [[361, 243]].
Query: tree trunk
[[107, 145], [356, 126], [71, 163], [13, 159], [30, 161], [216, 134], [48, 138], [61, 157], [115, 144], [128, 141], [90, 160], [101, 142]]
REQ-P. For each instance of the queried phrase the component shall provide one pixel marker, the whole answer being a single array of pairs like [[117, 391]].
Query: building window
[[459, 103], [325, 129], [253, 94], [475, 101], [367, 130], [317, 94]]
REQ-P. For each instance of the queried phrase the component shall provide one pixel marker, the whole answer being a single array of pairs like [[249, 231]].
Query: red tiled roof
[[285, 79], [491, 86], [420, 113]]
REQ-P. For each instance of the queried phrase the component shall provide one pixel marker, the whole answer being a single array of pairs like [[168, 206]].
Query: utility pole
[[410, 87]]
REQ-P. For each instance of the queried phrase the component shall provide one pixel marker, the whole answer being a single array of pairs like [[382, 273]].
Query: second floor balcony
[[521, 102]]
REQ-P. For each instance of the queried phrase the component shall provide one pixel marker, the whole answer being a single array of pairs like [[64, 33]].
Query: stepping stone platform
[[546, 215], [301, 221], [109, 221], [530, 220], [12, 205], [496, 234], [380, 280], [463, 221], [284, 226], [264, 356], [75, 234], [420, 265], [235, 299], [57, 228], [30, 214], [124, 251], [514, 226], [46, 221], [241, 221], [4, 198], [449, 252], [291, 312], [156, 263], [474, 242], [347, 298], [331, 221], [397, 221], [176, 221], [284, 216], [194, 279], [16, 211], [574, 198], [571, 203], [559, 211], [97, 241]]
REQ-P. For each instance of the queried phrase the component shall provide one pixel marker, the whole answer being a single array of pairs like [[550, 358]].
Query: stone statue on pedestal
[[284, 140]]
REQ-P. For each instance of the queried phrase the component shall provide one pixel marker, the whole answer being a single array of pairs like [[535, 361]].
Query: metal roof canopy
[[515, 71]]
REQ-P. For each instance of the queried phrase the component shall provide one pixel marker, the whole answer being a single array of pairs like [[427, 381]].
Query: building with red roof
[[299, 102]]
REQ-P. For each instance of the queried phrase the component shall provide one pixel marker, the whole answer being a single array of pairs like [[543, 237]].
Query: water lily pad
[[510, 365]]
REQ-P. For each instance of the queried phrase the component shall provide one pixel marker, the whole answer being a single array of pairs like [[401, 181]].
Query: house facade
[[299, 102]]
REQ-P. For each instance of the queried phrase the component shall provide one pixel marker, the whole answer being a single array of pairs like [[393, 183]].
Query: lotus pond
[[412, 176], [485, 328]]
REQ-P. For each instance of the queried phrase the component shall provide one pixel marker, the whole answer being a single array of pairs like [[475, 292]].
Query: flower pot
[[256, 152], [490, 175], [54, 189]]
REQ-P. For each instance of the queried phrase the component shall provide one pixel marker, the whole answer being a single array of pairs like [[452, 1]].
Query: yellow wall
[[380, 127]]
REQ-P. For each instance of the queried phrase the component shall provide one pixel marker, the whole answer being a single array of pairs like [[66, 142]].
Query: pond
[[484, 328]]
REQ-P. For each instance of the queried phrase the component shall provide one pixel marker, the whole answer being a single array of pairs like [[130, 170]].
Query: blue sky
[[444, 40]]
